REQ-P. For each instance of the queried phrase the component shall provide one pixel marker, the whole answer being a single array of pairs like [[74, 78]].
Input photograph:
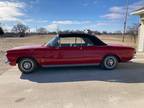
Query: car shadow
[[125, 73]]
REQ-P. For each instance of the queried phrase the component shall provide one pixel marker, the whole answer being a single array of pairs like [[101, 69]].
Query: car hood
[[26, 47]]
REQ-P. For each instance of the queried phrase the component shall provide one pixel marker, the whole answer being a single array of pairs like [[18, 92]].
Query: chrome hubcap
[[27, 65], [110, 62]]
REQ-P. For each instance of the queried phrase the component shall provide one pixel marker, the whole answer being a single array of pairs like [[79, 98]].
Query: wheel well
[[20, 58], [118, 58]]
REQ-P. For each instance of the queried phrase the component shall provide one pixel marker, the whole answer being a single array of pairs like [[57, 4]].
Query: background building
[[140, 12]]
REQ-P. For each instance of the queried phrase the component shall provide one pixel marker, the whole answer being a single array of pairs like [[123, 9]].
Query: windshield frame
[[52, 42]]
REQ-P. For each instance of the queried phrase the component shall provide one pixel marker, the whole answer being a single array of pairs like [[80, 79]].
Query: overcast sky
[[102, 15]]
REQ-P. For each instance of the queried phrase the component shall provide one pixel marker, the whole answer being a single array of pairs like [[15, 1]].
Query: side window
[[71, 42], [64, 42], [79, 41], [88, 42], [75, 42]]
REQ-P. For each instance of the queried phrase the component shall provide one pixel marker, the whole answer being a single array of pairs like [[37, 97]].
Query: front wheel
[[109, 63], [27, 65]]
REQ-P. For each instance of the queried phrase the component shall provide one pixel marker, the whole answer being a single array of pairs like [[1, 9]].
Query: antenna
[[125, 21]]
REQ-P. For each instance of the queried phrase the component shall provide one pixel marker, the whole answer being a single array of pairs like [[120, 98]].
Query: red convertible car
[[69, 49]]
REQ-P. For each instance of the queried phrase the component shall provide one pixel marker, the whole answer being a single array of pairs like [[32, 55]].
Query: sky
[[101, 15]]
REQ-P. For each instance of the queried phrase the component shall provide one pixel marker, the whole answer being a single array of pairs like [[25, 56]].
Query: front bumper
[[6, 60], [9, 61]]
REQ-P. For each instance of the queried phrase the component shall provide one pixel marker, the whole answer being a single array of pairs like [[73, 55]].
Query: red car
[[69, 49]]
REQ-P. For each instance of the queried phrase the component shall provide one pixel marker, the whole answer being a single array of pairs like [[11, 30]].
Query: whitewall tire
[[109, 62], [27, 65]]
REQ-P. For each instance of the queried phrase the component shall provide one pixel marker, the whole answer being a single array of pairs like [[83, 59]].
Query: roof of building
[[138, 11]]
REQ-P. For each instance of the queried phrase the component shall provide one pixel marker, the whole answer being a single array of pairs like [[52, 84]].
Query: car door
[[92, 52], [70, 51], [47, 55]]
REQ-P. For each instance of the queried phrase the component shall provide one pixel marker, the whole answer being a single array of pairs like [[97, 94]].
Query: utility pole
[[125, 20]]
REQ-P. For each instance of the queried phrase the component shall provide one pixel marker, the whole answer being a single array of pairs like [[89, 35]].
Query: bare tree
[[89, 31], [1, 32], [20, 29], [104, 32], [42, 30], [118, 32], [133, 31]]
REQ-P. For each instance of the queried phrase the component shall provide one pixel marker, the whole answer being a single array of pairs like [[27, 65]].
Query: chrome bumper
[[6, 60]]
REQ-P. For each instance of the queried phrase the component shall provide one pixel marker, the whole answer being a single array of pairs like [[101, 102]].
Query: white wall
[[141, 37]]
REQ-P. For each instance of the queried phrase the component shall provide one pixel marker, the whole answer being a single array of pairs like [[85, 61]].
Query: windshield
[[53, 41]]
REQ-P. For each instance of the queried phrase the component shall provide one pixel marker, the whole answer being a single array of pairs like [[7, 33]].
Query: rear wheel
[[27, 65], [109, 63]]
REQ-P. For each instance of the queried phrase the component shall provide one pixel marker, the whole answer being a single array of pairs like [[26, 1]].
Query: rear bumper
[[126, 59]]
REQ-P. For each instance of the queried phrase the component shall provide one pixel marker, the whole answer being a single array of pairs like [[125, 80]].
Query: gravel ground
[[3, 67], [74, 87]]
